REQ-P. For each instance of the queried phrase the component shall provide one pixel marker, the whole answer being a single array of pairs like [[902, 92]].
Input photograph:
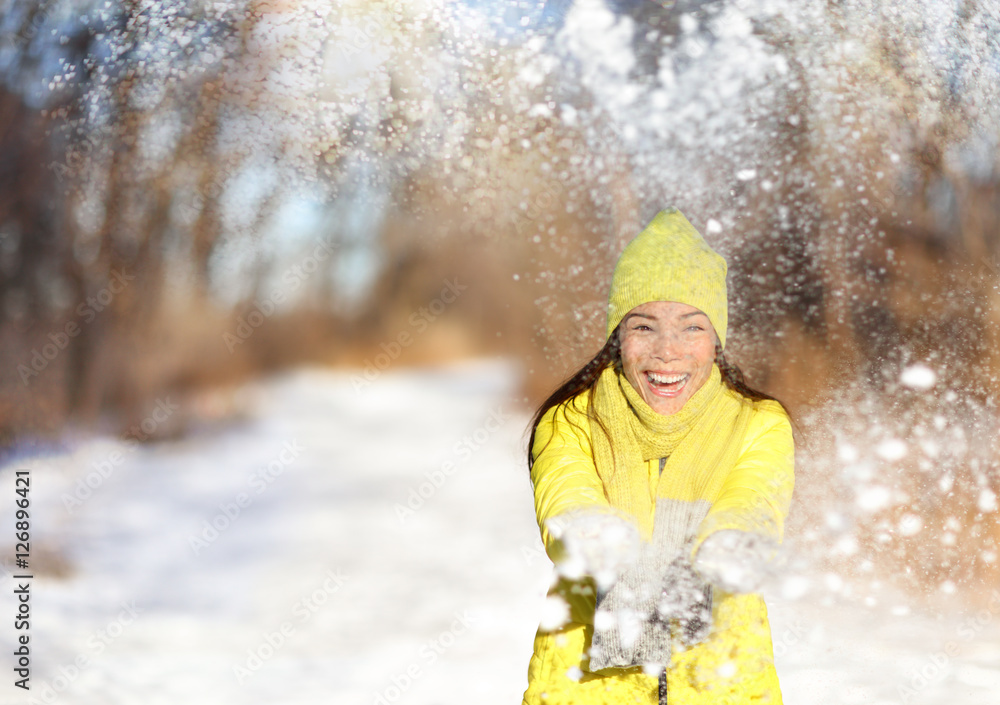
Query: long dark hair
[[585, 380]]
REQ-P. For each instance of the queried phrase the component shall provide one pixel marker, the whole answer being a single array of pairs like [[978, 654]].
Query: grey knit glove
[[656, 601], [736, 561], [686, 598]]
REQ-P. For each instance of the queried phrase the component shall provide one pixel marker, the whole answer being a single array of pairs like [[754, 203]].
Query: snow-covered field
[[371, 544]]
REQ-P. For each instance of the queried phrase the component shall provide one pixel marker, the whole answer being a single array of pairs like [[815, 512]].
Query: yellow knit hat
[[670, 261]]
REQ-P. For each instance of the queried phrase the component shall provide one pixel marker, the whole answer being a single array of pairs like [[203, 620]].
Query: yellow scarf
[[700, 442]]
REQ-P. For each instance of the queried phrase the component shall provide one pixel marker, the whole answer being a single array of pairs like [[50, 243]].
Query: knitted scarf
[[700, 443]]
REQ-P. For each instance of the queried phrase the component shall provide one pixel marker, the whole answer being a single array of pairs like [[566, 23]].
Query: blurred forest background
[[196, 193]]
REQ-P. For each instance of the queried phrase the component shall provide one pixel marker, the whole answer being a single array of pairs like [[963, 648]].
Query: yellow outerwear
[[735, 665]]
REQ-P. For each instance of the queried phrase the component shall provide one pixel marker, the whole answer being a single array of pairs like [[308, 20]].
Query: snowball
[[746, 174], [574, 673], [630, 625], [846, 545], [555, 613], [653, 670], [847, 453], [919, 377], [874, 498], [930, 448], [713, 226], [572, 567], [987, 501], [891, 449], [835, 521], [726, 670], [910, 525], [603, 620]]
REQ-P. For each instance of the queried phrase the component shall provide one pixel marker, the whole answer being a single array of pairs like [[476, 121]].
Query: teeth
[[665, 379]]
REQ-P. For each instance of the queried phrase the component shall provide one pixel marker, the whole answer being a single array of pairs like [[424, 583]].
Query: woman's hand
[[736, 561], [596, 544], [687, 598]]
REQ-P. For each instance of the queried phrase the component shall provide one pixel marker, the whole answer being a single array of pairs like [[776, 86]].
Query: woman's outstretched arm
[[745, 525], [564, 474]]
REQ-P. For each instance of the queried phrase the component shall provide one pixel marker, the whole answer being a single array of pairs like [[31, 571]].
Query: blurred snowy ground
[[385, 552]]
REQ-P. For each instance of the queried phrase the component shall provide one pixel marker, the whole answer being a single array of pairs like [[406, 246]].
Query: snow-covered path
[[372, 545]]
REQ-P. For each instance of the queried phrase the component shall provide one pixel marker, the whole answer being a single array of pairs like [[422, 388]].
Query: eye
[[695, 327]]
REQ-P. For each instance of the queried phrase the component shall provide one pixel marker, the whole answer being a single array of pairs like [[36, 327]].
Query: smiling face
[[667, 353]]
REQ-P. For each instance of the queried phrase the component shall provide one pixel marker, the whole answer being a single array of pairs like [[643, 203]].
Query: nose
[[668, 346]]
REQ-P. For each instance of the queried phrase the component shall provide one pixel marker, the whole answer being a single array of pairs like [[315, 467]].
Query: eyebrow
[[639, 315]]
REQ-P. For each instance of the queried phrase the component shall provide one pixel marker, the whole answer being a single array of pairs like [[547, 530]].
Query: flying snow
[[919, 377]]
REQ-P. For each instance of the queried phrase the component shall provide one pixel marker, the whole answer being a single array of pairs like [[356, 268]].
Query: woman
[[661, 485]]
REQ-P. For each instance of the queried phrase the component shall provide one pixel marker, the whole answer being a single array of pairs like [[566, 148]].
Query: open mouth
[[667, 385]]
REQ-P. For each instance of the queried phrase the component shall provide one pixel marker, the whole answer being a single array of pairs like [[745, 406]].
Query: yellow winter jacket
[[735, 665]]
